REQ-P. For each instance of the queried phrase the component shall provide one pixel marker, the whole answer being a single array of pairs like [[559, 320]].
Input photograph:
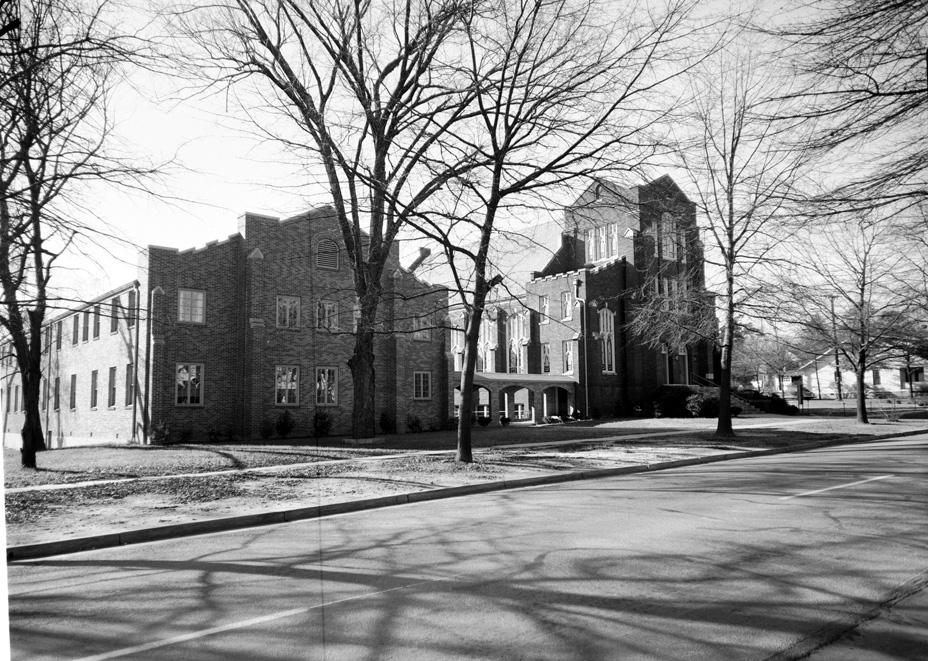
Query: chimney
[[423, 254]]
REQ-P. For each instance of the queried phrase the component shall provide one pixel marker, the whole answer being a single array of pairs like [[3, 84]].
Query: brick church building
[[559, 346], [218, 343]]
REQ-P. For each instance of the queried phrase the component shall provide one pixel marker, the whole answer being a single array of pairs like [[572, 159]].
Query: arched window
[[607, 339], [327, 255]]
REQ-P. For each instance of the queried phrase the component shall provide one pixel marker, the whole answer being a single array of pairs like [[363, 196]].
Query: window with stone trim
[[422, 385], [567, 350], [93, 389], [544, 309], [327, 255], [114, 314], [130, 310], [421, 328], [327, 315], [130, 384], [189, 384], [287, 385], [546, 358], [566, 305], [326, 386], [86, 333], [191, 306], [607, 339], [96, 321], [288, 311], [111, 389]]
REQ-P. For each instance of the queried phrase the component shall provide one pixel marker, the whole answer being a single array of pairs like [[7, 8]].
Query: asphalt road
[[739, 560]]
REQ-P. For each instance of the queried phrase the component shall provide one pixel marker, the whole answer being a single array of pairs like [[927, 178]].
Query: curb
[[158, 533]]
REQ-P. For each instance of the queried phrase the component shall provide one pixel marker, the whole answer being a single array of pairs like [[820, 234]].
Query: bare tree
[[365, 86], [842, 289], [58, 63], [744, 177], [561, 96], [864, 72]]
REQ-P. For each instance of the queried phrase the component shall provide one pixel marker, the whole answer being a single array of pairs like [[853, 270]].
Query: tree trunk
[[363, 374], [32, 435], [861, 390], [724, 427], [471, 340]]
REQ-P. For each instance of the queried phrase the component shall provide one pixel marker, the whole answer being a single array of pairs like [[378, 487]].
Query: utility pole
[[834, 332]]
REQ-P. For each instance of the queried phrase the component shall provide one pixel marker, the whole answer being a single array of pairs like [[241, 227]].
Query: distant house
[[560, 346], [217, 343], [891, 378]]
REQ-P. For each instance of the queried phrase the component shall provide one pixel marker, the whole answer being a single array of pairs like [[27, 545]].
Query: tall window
[[86, 335], [287, 385], [327, 255], [58, 333], [57, 393], [326, 386], [327, 315], [607, 339], [546, 358], [876, 377], [76, 329], [111, 390], [93, 389], [355, 315], [544, 309], [44, 394], [422, 385], [602, 242], [567, 351], [589, 240], [114, 315], [16, 399], [611, 239], [130, 310], [421, 328], [191, 306], [566, 305], [72, 397], [130, 384], [668, 237], [189, 386], [96, 321], [288, 311]]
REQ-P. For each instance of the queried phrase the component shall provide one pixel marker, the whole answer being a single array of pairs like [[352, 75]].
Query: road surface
[[747, 559]]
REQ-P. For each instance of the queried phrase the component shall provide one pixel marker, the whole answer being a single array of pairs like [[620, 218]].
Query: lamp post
[[834, 332], [586, 372]]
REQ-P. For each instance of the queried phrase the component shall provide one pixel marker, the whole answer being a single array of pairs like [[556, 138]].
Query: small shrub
[[670, 402], [160, 432], [185, 435], [452, 423], [483, 420], [266, 428], [735, 411], [213, 435], [285, 424], [322, 423], [413, 424], [504, 421], [387, 422]]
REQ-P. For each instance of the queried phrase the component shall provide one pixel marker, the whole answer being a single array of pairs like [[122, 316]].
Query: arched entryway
[[556, 401], [517, 403]]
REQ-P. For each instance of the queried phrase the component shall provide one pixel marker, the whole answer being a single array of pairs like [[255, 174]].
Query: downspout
[[146, 414], [135, 365]]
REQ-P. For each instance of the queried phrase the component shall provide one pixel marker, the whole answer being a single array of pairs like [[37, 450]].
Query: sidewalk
[[245, 497]]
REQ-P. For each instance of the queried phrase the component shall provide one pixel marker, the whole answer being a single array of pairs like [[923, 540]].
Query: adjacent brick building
[[561, 347], [218, 343]]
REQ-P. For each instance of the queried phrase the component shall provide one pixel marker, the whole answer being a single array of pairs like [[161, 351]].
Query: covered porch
[[519, 397]]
